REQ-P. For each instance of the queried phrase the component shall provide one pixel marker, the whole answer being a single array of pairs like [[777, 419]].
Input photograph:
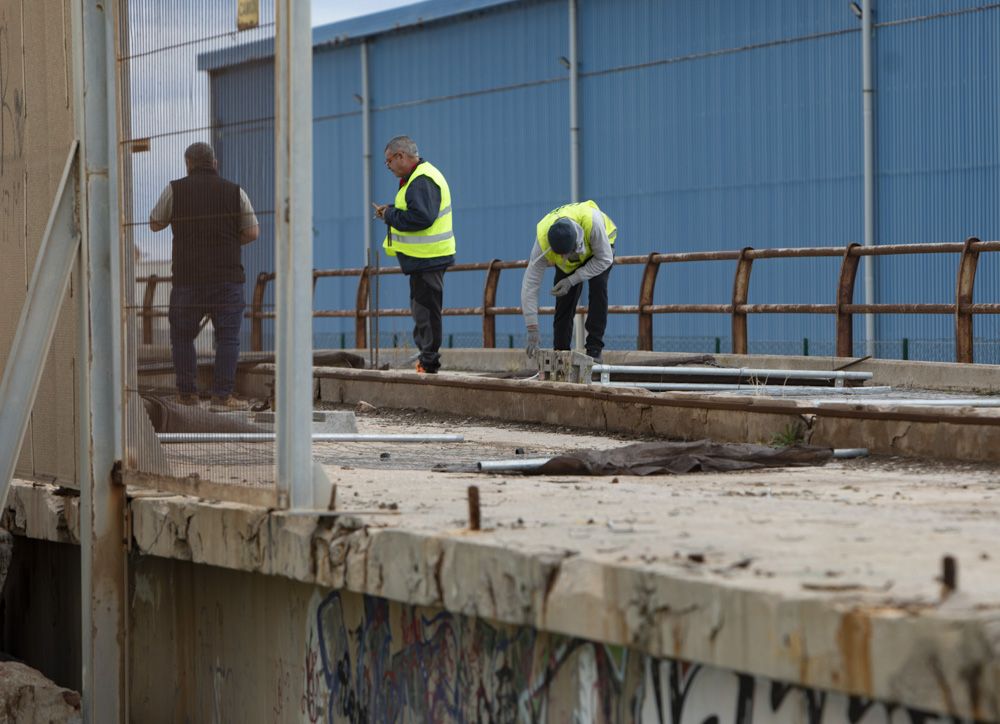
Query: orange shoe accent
[[421, 370]]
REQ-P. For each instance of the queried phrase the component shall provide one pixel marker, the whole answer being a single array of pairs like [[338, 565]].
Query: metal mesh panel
[[197, 227]]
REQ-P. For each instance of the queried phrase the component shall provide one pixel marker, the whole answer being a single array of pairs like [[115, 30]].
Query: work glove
[[562, 287], [533, 341]]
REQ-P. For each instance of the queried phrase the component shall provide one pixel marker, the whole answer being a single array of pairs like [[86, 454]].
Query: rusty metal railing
[[738, 309]]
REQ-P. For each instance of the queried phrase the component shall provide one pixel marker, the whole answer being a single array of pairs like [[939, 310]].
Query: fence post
[[147, 309], [845, 296], [257, 313], [963, 297], [741, 289], [490, 301], [646, 289], [361, 305]]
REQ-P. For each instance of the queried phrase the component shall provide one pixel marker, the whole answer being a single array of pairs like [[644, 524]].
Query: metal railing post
[[646, 288], [845, 296], [741, 289], [967, 264], [490, 301]]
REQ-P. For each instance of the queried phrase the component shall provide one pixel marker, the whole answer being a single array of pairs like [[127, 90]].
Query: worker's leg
[[597, 312], [562, 325], [185, 317], [426, 301], [227, 304]]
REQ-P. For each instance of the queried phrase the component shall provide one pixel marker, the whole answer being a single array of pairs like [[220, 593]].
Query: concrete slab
[[826, 577]]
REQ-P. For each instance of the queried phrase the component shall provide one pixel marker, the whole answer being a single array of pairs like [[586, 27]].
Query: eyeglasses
[[389, 160]]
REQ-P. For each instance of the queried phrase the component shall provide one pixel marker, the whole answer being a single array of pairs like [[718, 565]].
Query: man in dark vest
[[211, 219], [420, 236]]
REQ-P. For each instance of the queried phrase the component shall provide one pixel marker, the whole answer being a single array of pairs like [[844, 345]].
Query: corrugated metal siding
[[938, 159], [710, 125], [721, 125]]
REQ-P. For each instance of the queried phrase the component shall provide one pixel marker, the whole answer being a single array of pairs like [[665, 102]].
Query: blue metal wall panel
[[938, 159], [710, 125], [720, 125]]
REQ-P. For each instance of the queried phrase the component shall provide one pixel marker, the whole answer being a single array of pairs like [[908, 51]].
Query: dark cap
[[562, 236]]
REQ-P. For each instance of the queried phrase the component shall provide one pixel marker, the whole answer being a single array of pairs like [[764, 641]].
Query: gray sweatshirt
[[603, 257]]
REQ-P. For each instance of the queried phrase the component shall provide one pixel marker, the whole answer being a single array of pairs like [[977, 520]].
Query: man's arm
[[159, 217], [249, 226], [600, 245], [249, 234], [531, 283], [423, 204]]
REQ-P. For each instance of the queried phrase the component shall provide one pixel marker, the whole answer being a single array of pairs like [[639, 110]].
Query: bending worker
[[578, 240], [420, 235]]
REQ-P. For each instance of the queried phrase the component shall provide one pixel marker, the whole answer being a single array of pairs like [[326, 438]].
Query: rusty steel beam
[[361, 309], [964, 286], [845, 296], [646, 289], [741, 288], [489, 301]]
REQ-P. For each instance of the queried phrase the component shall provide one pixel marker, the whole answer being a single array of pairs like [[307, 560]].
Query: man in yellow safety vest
[[578, 240], [420, 236]]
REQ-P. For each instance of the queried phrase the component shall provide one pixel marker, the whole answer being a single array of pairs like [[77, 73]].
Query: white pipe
[[734, 372], [192, 437], [775, 390], [916, 402], [293, 220], [844, 453], [868, 104], [488, 466]]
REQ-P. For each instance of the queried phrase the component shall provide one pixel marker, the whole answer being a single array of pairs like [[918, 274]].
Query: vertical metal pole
[[574, 142], [99, 382], [868, 104], [366, 176], [293, 251]]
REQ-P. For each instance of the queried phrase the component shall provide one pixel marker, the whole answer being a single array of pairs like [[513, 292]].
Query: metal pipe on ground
[[200, 437], [837, 375], [775, 390]]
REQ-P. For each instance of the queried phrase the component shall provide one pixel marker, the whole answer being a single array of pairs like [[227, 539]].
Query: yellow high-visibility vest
[[438, 239], [581, 213]]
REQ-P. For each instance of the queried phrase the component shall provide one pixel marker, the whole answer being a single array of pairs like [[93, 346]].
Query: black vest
[[206, 227]]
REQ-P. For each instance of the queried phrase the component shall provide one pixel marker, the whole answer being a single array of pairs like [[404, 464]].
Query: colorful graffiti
[[386, 662]]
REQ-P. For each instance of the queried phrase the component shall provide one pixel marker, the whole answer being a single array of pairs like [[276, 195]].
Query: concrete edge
[[937, 659]]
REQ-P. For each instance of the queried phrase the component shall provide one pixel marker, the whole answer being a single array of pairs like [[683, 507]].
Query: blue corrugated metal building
[[702, 126]]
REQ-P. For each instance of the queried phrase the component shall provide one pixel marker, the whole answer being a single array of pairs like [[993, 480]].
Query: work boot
[[188, 398], [596, 356], [229, 403], [421, 370]]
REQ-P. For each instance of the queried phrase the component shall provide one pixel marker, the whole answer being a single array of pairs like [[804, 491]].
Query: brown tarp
[[662, 458]]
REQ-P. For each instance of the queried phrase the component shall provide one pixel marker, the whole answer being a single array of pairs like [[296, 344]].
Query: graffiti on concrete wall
[[382, 661]]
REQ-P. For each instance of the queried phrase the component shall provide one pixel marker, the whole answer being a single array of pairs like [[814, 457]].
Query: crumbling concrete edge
[[936, 659]]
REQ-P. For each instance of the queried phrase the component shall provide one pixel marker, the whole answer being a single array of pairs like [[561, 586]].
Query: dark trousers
[[597, 313], [426, 301], [223, 303]]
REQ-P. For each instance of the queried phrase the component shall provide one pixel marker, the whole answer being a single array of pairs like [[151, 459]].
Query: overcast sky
[[330, 11]]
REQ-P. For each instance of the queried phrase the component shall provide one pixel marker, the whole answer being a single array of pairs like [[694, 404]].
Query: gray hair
[[199, 155], [405, 144]]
